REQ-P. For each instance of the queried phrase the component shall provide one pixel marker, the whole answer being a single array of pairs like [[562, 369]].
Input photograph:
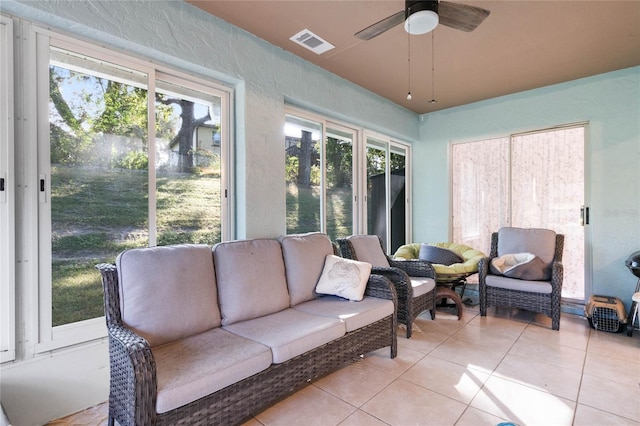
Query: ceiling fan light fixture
[[422, 17]]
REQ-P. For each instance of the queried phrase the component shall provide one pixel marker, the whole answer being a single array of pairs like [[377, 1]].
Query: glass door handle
[[584, 216]]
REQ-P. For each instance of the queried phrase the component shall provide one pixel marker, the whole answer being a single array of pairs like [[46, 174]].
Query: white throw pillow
[[345, 278]]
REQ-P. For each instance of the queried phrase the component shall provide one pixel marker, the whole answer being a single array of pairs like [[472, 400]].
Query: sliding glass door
[[387, 192], [531, 180]]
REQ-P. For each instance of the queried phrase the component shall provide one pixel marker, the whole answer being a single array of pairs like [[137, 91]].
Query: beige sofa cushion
[[289, 333], [251, 279], [168, 293], [199, 365], [367, 249], [304, 256], [355, 315]]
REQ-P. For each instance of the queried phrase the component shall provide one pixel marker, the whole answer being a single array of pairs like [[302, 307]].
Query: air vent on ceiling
[[312, 42]]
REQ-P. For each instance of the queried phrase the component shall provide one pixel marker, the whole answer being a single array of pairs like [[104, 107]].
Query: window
[[303, 178], [7, 196], [134, 156], [387, 191], [335, 186]]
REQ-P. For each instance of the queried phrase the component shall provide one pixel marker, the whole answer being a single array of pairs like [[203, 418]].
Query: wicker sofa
[[201, 335]]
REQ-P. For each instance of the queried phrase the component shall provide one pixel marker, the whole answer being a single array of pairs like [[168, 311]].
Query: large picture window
[[135, 156]]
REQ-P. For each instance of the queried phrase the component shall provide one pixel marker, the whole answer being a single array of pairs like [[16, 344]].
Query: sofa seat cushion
[[251, 279], [168, 293], [518, 284], [354, 314], [290, 332], [422, 285], [304, 256], [199, 365]]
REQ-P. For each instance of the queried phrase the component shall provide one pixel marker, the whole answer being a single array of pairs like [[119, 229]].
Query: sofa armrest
[[381, 287], [414, 267], [133, 392]]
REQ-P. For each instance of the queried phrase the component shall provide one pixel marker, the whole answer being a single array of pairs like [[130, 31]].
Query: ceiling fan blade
[[381, 26], [461, 16]]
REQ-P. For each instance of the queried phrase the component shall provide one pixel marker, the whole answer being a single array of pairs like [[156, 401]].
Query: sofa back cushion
[[251, 279], [368, 249], [168, 293], [304, 256], [540, 242]]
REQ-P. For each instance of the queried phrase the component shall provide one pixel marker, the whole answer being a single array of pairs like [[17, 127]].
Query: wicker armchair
[[414, 280], [537, 296]]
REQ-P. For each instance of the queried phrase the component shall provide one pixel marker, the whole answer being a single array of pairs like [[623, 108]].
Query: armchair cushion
[[344, 277], [422, 285], [438, 255], [541, 242], [519, 285], [524, 266], [369, 250]]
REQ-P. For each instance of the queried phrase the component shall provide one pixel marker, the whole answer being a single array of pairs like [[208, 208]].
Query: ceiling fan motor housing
[[413, 6]]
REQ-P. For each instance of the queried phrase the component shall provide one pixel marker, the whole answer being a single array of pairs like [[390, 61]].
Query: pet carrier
[[606, 313]]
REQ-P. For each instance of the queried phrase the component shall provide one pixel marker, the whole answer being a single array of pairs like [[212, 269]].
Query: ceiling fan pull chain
[[433, 70], [409, 65]]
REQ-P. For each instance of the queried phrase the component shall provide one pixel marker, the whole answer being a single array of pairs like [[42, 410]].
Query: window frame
[[326, 123], [7, 196], [361, 136], [388, 144], [36, 65]]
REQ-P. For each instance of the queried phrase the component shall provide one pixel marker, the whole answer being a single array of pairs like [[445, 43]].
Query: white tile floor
[[507, 367]]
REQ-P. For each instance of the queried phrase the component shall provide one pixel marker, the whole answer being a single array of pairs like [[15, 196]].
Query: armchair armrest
[[483, 269], [133, 392], [557, 273], [399, 278], [381, 287], [414, 267]]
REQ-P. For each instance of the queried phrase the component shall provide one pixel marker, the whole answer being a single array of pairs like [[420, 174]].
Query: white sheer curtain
[[480, 185], [533, 180], [547, 191]]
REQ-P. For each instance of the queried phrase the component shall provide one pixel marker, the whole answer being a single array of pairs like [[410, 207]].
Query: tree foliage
[[85, 109]]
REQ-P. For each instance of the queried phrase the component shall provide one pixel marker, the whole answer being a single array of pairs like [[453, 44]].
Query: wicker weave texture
[[545, 303], [399, 273], [133, 384]]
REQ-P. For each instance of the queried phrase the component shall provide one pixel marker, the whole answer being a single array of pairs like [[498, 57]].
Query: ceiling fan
[[422, 16]]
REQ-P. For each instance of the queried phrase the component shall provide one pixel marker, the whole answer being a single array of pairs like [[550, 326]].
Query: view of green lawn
[[97, 213]]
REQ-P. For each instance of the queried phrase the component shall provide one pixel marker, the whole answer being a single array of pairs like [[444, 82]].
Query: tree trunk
[[304, 162]]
